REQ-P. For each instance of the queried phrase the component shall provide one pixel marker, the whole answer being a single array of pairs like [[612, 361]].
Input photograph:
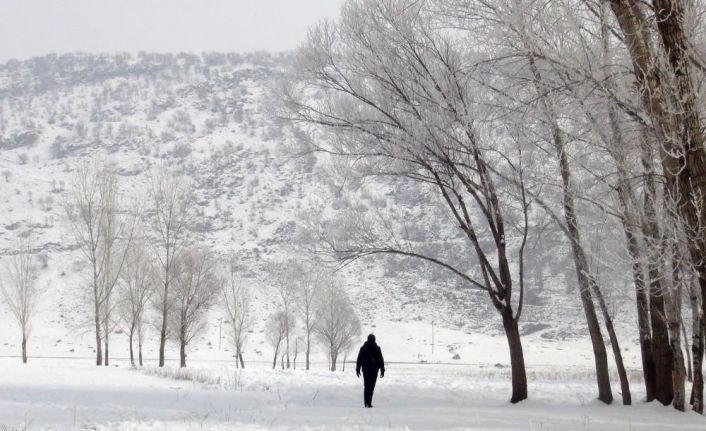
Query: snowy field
[[73, 394]]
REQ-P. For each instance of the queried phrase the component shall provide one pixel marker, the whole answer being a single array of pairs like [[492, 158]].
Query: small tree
[[237, 302], [195, 289], [338, 324], [276, 330], [20, 292], [308, 284], [285, 284], [137, 280]]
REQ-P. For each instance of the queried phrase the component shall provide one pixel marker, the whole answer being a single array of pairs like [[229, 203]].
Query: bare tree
[[308, 279], [171, 220], [285, 285], [19, 291], [396, 97], [664, 78], [276, 331], [237, 298], [195, 289], [338, 324], [137, 281], [103, 232]]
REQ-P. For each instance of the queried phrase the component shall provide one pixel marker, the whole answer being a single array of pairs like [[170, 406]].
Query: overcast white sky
[[36, 27]]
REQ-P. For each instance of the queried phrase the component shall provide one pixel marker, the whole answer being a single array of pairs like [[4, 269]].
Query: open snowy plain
[[71, 393]]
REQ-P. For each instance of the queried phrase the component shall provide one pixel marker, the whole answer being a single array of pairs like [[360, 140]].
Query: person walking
[[370, 361]]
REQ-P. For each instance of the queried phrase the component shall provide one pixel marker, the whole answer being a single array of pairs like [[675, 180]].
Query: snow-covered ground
[[73, 394]]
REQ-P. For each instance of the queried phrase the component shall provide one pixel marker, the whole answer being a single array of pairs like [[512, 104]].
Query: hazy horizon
[[34, 28]]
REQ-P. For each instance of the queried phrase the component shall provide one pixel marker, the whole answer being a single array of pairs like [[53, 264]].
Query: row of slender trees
[[143, 268], [314, 299], [515, 111]]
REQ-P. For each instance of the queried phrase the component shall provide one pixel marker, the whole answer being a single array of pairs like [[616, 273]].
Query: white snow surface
[[73, 394]]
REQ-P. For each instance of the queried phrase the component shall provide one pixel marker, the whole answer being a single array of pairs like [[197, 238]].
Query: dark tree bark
[[182, 351], [163, 329], [308, 349], [99, 348], [139, 352], [679, 134], [274, 361], [517, 358], [105, 356], [132, 354], [572, 229], [24, 348]]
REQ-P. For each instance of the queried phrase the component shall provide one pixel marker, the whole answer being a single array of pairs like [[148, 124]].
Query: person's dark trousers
[[369, 379]]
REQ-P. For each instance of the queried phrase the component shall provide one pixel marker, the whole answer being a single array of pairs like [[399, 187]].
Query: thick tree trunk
[[679, 132], [240, 356], [24, 348], [517, 358], [661, 349]]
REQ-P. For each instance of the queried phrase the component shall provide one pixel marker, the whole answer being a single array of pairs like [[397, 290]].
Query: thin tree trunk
[[685, 337], [99, 349], [240, 356], [673, 303], [132, 355], [105, 357], [163, 329], [697, 350], [182, 352], [24, 348], [274, 361], [641, 301], [622, 374], [287, 348], [582, 269], [308, 349], [517, 357], [139, 340]]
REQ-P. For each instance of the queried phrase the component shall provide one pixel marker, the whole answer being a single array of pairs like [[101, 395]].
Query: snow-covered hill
[[211, 117]]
